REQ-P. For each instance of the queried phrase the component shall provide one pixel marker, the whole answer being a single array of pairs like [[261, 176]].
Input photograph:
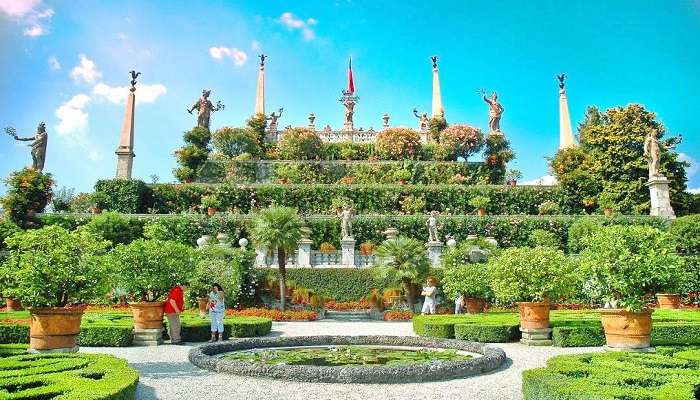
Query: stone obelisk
[[438, 110], [260, 92], [566, 135], [125, 150]]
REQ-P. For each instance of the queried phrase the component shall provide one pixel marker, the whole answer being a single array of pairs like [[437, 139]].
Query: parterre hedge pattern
[[77, 376], [615, 375]]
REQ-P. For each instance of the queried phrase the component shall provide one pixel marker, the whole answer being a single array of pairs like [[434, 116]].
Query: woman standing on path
[[216, 312]]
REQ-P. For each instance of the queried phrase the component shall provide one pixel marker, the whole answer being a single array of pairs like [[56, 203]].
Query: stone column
[[660, 197], [260, 92], [438, 110], [566, 135], [260, 255], [434, 253], [348, 252], [304, 254], [125, 150]]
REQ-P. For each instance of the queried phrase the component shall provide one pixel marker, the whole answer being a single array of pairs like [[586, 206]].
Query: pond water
[[333, 356]]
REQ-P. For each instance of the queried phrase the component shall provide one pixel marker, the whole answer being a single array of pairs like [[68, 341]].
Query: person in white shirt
[[459, 304], [430, 293]]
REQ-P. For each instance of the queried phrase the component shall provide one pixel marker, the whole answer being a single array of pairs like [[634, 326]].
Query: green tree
[[28, 192], [193, 155], [278, 228], [404, 261], [610, 157], [257, 123]]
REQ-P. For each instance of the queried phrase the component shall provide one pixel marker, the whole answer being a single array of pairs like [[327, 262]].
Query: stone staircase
[[347, 316]]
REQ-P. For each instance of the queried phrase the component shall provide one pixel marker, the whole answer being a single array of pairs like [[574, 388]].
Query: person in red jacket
[[174, 305]]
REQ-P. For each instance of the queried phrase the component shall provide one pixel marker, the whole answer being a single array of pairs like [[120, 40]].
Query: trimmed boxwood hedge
[[487, 333], [198, 329], [77, 376], [614, 375], [125, 195]]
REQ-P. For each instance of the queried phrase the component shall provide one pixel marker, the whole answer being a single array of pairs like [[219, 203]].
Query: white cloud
[[693, 168], [54, 64], [294, 23], [18, 8], [694, 191], [34, 31], [547, 180], [118, 94], [86, 70], [26, 13], [239, 57], [255, 45], [73, 118]]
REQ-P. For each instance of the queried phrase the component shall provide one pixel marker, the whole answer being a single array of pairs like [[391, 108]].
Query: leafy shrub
[[27, 190], [497, 154], [193, 155], [413, 205], [51, 267], [62, 199], [548, 208], [7, 229], [114, 227], [542, 238], [471, 279], [685, 232], [149, 268], [236, 141], [487, 333], [397, 144], [478, 202], [128, 196], [530, 274], [459, 141], [182, 230], [81, 203], [231, 268], [299, 144], [579, 232], [257, 123], [608, 199], [624, 265]]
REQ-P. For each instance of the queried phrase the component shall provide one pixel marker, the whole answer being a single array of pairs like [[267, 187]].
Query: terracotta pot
[[95, 210], [669, 301], [608, 212], [474, 306], [147, 314], [626, 330], [13, 304], [534, 315], [211, 211], [481, 212], [203, 305], [54, 328]]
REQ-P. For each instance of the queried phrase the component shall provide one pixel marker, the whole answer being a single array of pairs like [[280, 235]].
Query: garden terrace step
[[348, 315]]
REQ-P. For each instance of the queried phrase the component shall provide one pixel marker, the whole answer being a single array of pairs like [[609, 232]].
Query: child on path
[[216, 312]]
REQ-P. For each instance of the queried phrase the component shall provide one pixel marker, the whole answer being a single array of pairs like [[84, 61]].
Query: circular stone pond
[[349, 359]]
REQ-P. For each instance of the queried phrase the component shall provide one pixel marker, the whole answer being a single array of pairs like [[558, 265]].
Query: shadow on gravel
[[164, 370], [145, 392]]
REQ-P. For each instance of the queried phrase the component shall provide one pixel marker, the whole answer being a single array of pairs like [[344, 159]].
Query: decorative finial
[[561, 78], [262, 60], [134, 75], [434, 59]]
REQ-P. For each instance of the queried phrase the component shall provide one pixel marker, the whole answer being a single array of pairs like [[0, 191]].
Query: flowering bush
[[397, 144], [299, 144], [398, 315], [275, 315], [28, 191], [459, 141], [231, 268], [347, 305], [549, 208]]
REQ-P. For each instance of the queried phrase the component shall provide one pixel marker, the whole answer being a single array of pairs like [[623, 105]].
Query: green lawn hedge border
[[76, 376], [615, 375], [198, 329]]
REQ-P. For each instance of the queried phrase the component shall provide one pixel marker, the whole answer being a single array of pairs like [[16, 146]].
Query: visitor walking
[[430, 293], [172, 308], [459, 304], [216, 312]]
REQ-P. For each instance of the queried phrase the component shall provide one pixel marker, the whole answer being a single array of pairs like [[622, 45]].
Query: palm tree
[[278, 228], [403, 260]]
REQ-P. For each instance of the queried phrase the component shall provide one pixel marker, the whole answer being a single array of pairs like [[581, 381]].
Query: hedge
[[198, 329], [507, 230], [124, 195], [487, 333], [75, 376], [346, 172], [614, 375], [360, 151]]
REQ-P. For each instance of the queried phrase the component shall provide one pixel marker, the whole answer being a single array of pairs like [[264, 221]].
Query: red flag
[[351, 83]]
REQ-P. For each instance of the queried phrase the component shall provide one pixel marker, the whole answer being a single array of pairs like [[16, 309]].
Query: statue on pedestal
[[38, 145], [273, 120], [423, 120], [495, 111], [349, 104], [434, 60], [561, 78], [652, 149], [205, 107], [346, 222], [433, 226]]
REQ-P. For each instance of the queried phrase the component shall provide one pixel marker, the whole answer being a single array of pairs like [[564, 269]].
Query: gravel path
[[166, 373]]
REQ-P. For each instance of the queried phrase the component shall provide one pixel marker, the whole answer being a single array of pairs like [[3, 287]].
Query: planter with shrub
[[54, 272], [479, 203], [470, 280], [625, 267]]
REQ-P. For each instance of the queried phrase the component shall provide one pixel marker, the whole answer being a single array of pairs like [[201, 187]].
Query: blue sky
[[66, 63]]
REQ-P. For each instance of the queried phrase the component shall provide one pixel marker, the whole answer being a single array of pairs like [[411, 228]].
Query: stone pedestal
[[304, 253], [125, 150], [391, 233], [660, 197], [348, 252], [536, 337], [148, 337], [260, 255], [434, 253]]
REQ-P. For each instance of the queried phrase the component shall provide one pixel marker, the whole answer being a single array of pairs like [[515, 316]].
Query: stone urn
[[55, 328], [13, 304], [203, 241], [625, 329], [147, 314], [668, 301], [391, 233], [222, 238], [534, 315]]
